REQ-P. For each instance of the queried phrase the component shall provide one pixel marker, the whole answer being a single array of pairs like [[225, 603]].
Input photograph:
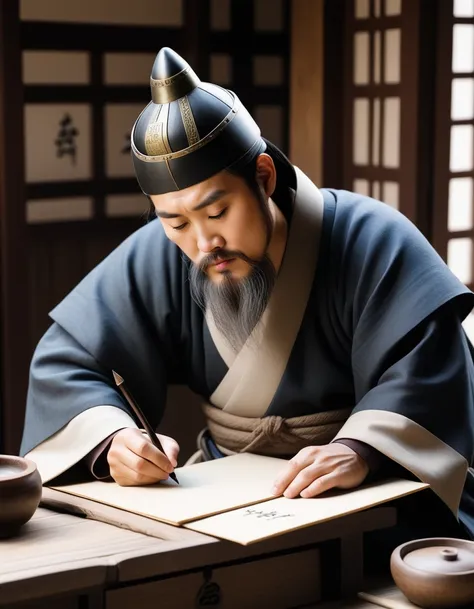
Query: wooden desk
[[66, 562]]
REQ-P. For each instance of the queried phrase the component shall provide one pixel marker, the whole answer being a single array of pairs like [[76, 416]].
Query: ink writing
[[66, 139], [272, 515]]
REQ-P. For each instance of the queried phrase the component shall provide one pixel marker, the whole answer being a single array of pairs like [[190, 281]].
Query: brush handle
[[141, 417]]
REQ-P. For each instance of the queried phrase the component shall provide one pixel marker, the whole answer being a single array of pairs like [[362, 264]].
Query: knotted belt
[[272, 435]]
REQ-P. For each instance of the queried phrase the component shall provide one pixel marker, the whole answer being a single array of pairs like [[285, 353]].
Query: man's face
[[214, 223], [226, 230]]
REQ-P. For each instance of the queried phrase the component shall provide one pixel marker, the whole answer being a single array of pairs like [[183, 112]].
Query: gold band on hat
[[156, 136], [166, 90], [188, 120], [199, 144]]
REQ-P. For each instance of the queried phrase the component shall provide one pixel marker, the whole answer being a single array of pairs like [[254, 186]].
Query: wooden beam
[[14, 327], [195, 36], [306, 86], [335, 68]]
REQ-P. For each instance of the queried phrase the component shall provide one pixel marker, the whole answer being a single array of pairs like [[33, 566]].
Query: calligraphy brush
[[137, 410]]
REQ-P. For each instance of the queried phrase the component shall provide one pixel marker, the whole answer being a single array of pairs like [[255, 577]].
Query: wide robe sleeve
[[412, 362], [127, 315]]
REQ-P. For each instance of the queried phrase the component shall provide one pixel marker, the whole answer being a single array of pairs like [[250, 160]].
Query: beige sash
[[255, 372], [272, 435]]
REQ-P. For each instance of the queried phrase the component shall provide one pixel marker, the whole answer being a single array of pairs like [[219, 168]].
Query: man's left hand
[[316, 469]]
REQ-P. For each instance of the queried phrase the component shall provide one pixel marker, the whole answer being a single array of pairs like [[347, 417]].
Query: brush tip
[[117, 378]]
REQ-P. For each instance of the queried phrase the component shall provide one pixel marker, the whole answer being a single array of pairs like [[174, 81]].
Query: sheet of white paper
[[260, 521], [205, 488]]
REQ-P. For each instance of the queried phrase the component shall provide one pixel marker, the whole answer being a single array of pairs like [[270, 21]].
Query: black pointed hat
[[190, 130]]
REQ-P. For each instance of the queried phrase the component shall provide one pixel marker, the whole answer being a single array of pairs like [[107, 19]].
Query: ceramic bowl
[[435, 572], [20, 493]]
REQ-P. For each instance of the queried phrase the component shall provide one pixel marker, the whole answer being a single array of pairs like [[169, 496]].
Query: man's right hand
[[135, 461]]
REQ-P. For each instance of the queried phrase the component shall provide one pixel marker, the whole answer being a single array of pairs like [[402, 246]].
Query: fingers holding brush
[[170, 453], [134, 460]]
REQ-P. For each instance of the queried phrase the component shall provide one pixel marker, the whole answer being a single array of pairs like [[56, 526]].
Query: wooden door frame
[[307, 86], [15, 303], [418, 22]]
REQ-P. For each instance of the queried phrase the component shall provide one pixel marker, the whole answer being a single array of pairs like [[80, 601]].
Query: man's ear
[[266, 173]]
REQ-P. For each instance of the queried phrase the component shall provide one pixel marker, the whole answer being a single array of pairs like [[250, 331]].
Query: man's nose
[[208, 242]]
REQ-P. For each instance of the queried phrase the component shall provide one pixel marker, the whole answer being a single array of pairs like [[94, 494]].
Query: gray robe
[[380, 334]]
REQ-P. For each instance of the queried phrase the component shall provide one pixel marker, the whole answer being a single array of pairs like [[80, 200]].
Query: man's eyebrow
[[209, 200], [164, 214]]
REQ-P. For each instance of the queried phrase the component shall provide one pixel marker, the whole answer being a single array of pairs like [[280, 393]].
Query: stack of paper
[[231, 499]]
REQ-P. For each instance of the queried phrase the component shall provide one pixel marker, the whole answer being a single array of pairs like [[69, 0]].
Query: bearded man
[[318, 325]]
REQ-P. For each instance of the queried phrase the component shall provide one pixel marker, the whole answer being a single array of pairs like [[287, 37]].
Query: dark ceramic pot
[[435, 572], [20, 493]]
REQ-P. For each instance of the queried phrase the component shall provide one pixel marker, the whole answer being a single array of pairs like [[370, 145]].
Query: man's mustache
[[223, 254]]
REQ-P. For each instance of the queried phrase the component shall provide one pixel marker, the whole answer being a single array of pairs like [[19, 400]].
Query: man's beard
[[236, 305]]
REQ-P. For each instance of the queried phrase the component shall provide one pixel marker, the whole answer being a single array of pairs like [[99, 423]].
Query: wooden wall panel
[[307, 79], [158, 13], [60, 256], [40, 287], [15, 301]]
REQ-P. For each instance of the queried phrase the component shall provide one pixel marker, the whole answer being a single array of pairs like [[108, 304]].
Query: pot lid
[[442, 556]]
